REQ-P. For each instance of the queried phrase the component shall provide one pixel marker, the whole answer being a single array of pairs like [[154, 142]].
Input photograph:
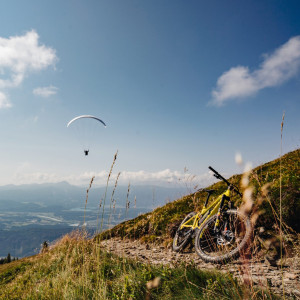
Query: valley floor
[[254, 271]]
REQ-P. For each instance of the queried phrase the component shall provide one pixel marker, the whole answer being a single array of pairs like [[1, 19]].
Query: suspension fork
[[217, 223]]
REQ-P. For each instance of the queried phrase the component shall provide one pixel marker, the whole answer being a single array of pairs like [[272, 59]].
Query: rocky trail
[[254, 271]]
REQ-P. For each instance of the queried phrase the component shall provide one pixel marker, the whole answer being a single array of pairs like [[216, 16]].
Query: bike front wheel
[[225, 242], [183, 236]]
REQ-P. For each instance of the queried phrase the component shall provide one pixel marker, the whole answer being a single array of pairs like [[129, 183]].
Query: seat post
[[209, 192]]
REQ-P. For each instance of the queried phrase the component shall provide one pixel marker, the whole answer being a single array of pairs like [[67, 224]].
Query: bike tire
[[179, 244], [227, 244]]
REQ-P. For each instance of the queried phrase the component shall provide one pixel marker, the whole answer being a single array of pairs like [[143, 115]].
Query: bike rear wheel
[[183, 236], [225, 243]]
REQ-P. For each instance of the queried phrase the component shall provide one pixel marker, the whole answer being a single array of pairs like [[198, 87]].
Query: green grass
[[77, 269], [156, 226]]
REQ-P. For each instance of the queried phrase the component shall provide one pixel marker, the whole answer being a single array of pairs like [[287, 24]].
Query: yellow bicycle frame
[[211, 210]]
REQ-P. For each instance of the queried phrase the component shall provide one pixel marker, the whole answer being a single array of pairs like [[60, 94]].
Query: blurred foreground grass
[[76, 268]]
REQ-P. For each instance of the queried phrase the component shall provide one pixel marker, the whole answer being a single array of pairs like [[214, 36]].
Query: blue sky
[[180, 84]]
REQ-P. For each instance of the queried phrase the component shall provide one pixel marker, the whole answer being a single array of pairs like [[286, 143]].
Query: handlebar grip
[[219, 176], [212, 169]]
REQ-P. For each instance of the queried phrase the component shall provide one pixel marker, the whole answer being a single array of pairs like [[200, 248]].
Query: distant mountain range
[[34, 213], [41, 197]]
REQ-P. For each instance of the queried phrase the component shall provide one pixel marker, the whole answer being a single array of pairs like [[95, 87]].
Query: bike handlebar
[[219, 176]]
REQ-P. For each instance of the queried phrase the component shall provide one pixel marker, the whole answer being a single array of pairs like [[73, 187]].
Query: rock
[[296, 293], [291, 276]]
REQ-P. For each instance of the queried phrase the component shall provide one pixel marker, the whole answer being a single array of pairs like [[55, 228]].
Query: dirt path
[[257, 272]]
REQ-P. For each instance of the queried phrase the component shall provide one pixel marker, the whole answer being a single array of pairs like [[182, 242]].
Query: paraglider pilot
[[86, 151]]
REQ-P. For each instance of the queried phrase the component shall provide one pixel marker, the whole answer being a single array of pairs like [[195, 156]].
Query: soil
[[256, 271]]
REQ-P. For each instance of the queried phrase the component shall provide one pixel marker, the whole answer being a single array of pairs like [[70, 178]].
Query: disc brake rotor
[[226, 238]]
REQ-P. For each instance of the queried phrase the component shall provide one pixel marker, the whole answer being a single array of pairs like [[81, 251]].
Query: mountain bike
[[220, 230]]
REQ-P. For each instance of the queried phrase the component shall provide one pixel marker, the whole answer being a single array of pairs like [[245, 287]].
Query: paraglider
[[85, 116], [84, 128]]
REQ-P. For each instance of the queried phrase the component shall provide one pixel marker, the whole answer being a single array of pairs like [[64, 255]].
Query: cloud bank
[[19, 56], [163, 177], [239, 82]]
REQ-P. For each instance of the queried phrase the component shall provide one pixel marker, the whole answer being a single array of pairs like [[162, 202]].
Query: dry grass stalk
[[254, 207], [246, 209], [247, 204], [112, 200], [250, 207], [127, 199], [104, 198], [280, 187], [87, 196], [152, 284]]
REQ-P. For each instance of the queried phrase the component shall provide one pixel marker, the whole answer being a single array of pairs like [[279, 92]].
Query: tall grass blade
[[104, 198], [86, 199], [280, 196]]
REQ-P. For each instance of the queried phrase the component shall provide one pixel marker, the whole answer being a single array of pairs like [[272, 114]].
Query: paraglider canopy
[[85, 128], [85, 116]]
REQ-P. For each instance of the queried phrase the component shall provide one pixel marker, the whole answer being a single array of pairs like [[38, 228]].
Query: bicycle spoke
[[228, 237]]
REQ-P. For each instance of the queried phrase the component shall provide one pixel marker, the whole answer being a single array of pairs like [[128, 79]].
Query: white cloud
[[239, 82], [20, 55], [36, 177], [25, 175], [165, 175], [45, 92], [4, 103]]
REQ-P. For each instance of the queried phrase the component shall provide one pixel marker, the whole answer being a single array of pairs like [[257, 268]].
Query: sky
[[181, 85]]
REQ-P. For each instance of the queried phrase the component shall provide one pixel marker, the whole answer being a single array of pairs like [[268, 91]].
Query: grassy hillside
[[157, 225], [77, 268]]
